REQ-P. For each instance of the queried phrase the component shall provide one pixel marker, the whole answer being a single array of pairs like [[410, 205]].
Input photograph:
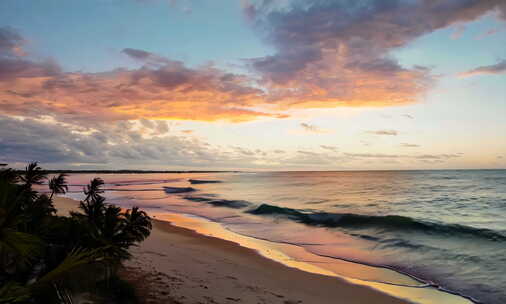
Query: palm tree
[[33, 175], [138, 224], [58, 185], [93, 189], [17, 248], [8, 175], [93, 204], [42, 254]]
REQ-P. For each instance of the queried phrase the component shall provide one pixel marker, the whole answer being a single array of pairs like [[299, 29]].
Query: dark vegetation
[[131, 171], [49, 258]]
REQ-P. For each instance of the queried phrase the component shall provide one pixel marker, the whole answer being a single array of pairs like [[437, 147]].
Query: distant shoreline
[[130, 171], [138, 171]]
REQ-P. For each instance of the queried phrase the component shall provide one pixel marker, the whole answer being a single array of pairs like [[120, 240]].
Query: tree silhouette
[[58, 184], [43, 257], [33, 175]]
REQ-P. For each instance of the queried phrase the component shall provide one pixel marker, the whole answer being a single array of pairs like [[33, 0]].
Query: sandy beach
[[177, 265]]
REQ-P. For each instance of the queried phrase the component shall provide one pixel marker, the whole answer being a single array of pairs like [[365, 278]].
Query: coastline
[[177, 264]]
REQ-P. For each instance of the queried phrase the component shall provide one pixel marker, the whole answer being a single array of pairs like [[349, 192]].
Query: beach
[[379, 230], [177, 265]]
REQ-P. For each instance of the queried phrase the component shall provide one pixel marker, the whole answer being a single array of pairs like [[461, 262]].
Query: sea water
[[447, 228]]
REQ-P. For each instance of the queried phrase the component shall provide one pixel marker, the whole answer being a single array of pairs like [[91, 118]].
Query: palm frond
[[77, 258], [12, 293], [18, 248], [93, 189], [33, 175], [58, 184]]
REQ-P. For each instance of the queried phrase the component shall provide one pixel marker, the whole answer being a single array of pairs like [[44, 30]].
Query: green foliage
[[13, 292], [44, 258]]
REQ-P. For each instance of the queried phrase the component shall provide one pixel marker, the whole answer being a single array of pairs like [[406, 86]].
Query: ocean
[[447, 229]]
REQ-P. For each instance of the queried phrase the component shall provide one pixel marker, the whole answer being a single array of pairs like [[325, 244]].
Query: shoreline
[[182, 251]]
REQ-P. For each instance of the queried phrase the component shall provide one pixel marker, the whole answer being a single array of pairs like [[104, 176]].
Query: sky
[[253, 85]]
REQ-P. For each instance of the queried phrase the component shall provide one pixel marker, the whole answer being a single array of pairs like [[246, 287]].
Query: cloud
[[458, 32], [406, 145], [116, 145], [330, 148], [310, 128], [145, 57], [490, 32], [498, 68], [331, 53], [405, 156], [13, 65], [384, 132], [328, 53], [155, 127], [11, 42], [31, 140], [125, 145], [160, 89]]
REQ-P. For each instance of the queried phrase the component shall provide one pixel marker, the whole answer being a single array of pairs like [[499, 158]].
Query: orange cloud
[[327, 54], [168, 91]]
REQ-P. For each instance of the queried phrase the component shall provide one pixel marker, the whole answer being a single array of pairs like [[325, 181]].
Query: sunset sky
[[258, 85]]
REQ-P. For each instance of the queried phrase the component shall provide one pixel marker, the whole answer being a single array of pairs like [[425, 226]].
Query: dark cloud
[[13, 65], [146, 57], [29, 140], [498, 68], [137, 54], [10, 42], [337, 52], [120, 144]]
